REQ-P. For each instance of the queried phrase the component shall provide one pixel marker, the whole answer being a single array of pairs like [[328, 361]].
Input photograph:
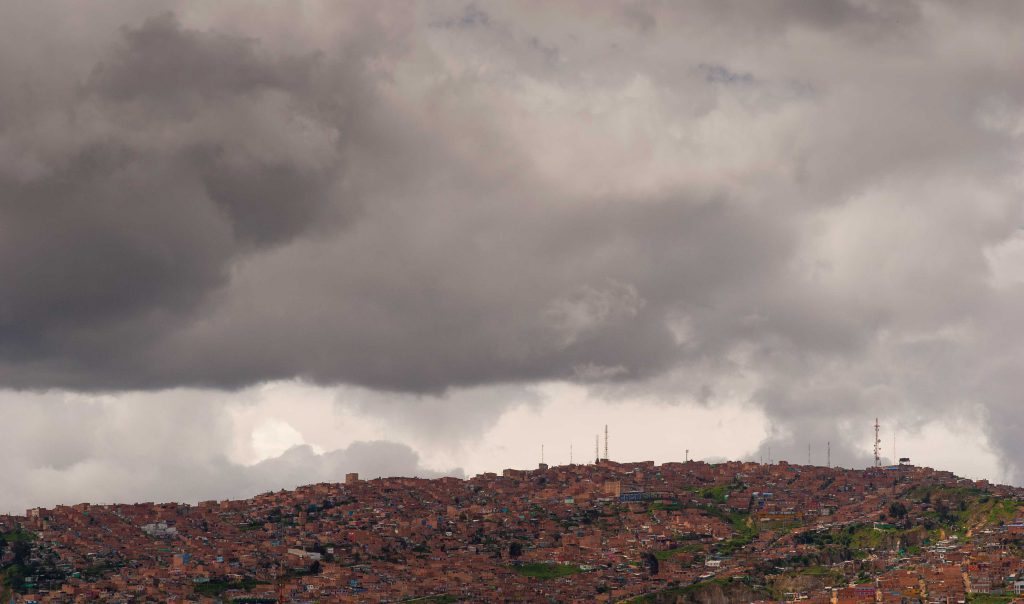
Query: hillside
[[605, 532]]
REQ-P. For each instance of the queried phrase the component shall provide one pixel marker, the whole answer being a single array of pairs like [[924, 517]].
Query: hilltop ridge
[[604, 532]]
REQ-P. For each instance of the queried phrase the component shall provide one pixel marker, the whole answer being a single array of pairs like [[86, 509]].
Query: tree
[[897, 509], [515, 549], [21, 550], [651, 562]]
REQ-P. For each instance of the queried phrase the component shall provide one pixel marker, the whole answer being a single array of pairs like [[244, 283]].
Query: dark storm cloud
[[480, 278], [183, 150], [160, 62], [463, 310], [802, 196]]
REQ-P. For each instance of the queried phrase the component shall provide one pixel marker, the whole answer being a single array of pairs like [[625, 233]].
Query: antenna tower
[[878, 446], [606, 442], [542, 453], [829, 462], [597, 450]]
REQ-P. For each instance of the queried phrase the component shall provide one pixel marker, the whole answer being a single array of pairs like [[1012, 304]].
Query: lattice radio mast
[[878, 446], [606, 442]]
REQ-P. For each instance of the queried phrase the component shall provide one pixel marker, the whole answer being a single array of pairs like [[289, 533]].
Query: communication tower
[[878, 446], [606, 442]]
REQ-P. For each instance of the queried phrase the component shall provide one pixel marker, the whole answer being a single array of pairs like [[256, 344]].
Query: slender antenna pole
[[606, 442]]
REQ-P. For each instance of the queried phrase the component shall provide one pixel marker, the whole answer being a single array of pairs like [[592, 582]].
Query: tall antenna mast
[[878, 446], [606, 442], [570, 454], [542, 453], [808, 453], [597, 450], [829, 462], [687, 455]]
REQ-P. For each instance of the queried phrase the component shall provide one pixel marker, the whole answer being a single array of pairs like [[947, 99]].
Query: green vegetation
[[855, 537], [743, 524], [541, 570], [17, 536], [438, 599], [1001, 511], [15, 576], [897, 509], [670, 506], [686, 548], [100, 569], [960, 509], [989, 599], [817, 571], [717, 493], [927, 493]]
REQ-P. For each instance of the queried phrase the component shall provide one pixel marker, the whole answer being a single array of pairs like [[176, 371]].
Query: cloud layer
[[168, 446], [811, 208]]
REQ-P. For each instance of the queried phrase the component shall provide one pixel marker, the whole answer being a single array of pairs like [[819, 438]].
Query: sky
[[250, 245]]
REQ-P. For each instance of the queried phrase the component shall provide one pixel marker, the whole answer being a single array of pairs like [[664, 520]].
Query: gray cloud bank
[[819, 198], [169, 446]]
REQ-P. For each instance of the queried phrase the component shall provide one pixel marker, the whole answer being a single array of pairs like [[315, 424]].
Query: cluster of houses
[[601, 532]]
